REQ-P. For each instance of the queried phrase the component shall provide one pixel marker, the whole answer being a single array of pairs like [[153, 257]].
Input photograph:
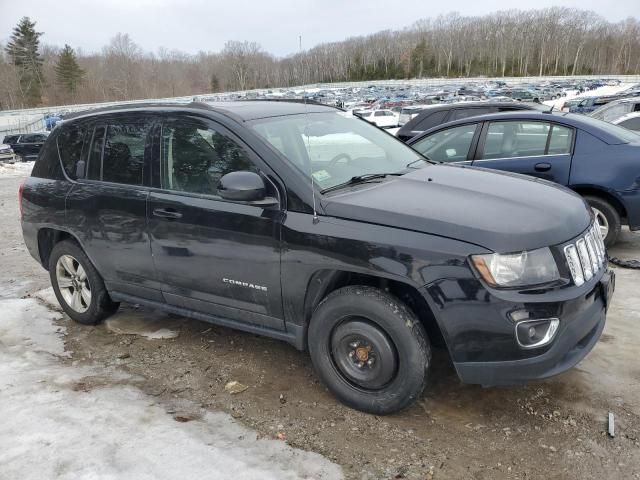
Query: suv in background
[[305, 224], [434, 115], [26, 146]]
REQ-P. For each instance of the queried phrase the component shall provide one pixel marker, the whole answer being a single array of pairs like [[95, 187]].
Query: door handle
[[543, 167], [168, 213]]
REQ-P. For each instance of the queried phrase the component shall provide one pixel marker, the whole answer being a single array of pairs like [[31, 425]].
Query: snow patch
[[19, 169], [48, 296], [67, 422], [137, 323]]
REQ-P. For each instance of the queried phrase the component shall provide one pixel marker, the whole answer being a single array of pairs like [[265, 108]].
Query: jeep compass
[[302, 223]]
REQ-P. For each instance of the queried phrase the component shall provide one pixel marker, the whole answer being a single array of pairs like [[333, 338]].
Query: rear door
[[212, 255], [539, 149], [107, 205]]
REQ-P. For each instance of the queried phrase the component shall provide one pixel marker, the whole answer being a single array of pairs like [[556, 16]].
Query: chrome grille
[[586, 256]]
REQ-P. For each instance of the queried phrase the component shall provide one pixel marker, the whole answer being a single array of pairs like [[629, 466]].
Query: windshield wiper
[[359, 179], [425, 160]]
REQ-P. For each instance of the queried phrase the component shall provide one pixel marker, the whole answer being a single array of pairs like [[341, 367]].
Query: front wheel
[[78, 286], [370, 349], [607, 219]]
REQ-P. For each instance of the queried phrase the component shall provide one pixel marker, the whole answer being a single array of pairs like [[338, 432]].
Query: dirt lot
[[553, 429]]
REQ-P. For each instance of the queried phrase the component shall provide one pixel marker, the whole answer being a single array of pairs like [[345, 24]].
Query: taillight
[[20, 192]]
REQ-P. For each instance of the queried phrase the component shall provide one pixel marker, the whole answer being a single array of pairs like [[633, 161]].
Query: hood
[[501, 211]]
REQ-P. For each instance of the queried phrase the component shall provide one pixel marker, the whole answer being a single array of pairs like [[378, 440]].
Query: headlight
[[518, 269]]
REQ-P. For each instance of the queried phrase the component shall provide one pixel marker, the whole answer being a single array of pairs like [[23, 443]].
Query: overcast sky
[[194, 25]]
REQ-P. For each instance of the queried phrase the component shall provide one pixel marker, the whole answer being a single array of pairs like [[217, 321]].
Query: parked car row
[[304, 224]]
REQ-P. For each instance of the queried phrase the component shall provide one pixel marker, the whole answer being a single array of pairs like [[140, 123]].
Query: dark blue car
[[596, 159]]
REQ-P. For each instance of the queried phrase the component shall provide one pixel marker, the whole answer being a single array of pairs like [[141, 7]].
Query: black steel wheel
[[370, 349]]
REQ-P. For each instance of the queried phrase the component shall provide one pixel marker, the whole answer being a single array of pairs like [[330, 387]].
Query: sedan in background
[[382, 118], [596, 159], [26, 146]]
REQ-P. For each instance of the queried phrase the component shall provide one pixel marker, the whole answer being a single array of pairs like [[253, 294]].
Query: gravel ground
[[554, 429]]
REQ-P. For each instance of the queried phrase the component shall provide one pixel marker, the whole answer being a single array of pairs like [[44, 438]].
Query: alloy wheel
[[73, 283], [603, 223]]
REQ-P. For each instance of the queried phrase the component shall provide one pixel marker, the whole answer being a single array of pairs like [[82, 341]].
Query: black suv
[[434, 115], [26, 146], [305, 224]]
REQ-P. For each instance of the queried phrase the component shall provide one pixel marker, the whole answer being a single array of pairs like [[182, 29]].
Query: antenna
[[306, 116]]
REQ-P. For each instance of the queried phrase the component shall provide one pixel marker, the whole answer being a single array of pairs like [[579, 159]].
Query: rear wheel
[[78, 286], [369, 349], [607, 219]]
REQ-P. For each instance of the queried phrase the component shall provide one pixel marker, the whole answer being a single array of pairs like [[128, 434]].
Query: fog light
[[536, 333]]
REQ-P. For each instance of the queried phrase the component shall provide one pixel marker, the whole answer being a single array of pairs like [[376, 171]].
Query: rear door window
[[123, 154], [117, 152], [94, 171], [515, 139], [560, 141]]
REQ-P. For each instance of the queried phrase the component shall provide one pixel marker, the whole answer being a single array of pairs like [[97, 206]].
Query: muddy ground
[[553, 429]]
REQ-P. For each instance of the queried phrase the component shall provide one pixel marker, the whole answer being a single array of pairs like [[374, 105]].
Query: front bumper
[[574, 341], [7, 157]]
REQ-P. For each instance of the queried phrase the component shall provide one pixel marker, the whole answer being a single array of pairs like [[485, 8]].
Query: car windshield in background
[[335, 147]]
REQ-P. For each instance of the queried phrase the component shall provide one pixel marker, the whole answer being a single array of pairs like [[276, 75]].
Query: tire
[[369, 349], [606, 213], [90, 309], [19, 158]]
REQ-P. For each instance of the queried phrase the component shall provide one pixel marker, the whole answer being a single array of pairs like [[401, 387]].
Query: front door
[[212, 255], [539, 149]]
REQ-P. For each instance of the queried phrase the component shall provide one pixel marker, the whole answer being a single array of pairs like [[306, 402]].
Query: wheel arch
[[593, 191], [325, 281], [48, 238]]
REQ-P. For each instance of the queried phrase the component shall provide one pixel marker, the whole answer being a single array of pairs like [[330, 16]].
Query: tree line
[[553, 41]]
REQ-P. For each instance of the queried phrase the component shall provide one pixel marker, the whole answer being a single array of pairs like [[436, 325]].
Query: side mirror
[[244, 186]]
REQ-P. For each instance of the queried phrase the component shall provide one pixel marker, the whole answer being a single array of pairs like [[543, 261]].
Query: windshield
[[335, 147]]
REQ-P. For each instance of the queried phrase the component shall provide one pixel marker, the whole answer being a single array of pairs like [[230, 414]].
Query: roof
[[598, 128], [239, 110]]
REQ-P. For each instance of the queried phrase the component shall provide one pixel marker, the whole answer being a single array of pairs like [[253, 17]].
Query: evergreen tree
[[23, 51], [68, 72], [215, 83]]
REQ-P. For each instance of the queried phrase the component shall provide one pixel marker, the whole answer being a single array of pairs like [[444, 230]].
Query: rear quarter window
[[70, 142], [48, 163]]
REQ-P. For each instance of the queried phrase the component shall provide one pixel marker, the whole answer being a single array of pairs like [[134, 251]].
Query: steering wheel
[[339, 157]]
